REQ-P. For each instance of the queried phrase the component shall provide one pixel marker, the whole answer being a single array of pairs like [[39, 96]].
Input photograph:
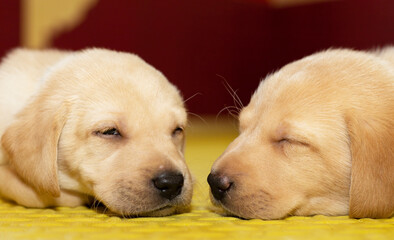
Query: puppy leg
[[13, 188]]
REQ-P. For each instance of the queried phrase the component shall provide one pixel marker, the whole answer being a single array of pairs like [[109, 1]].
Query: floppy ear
[[372, 177], [31, 143]]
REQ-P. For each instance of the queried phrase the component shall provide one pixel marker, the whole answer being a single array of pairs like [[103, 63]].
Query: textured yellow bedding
[[205, 142]]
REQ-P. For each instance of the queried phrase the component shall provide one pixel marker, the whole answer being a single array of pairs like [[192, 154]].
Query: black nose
[[219, 185], [169, 184]]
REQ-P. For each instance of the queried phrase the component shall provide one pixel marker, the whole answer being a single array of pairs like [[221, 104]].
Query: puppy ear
[[372, 176], [31, 143]]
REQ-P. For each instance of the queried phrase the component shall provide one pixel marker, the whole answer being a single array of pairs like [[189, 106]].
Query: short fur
[[316, 138], [54, 105]]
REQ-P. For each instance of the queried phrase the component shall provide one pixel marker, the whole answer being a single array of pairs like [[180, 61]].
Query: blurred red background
[[198, 43]]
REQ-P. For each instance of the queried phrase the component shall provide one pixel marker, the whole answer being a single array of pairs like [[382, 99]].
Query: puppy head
[[109, 125], [300, 147]]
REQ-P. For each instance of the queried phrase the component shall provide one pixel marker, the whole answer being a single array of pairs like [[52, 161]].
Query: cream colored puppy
[[316, 138], [94, 123]]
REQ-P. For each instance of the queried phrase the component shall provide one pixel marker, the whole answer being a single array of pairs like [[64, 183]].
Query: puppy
[[316, 138], [94, 123]]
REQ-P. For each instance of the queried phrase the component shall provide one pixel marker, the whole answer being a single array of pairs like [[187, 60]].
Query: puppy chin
[[220, 208], [163, 211]]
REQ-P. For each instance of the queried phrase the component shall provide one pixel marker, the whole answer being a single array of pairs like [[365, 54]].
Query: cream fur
[[316, 138], [54, 104]]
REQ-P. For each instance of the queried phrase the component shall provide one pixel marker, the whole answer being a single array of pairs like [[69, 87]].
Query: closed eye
[[177, 131], [111, 131], [292, 141], [108, 133], [283, 140]]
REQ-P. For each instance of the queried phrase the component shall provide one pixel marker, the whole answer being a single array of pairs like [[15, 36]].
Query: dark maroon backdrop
[[197, 43], [9, 25]]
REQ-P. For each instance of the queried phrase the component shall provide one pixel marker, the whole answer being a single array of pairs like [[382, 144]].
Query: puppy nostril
[[219, 185], [169, 184]]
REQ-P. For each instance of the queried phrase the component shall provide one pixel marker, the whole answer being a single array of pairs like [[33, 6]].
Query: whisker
[[105, 209], [98, 206], [232, 110], [95, 204], [196, 94], [232, 92], [198, 116]]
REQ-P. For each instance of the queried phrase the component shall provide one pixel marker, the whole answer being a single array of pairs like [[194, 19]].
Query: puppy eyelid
[[283, 140], [110, 132], [292, 141], [178, 130]]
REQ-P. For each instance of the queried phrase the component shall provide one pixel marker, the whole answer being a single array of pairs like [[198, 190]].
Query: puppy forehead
[[131, 111], [118, 87], [134, 119], [116, 73], [279, 114]]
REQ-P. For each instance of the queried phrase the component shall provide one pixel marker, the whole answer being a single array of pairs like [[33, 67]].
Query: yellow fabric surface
[[204, 144]]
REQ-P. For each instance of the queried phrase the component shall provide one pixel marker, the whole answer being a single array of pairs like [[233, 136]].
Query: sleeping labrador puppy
[[93, 123], [316, 138]]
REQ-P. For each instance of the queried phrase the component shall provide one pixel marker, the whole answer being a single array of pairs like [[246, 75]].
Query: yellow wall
[[43, 19]]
